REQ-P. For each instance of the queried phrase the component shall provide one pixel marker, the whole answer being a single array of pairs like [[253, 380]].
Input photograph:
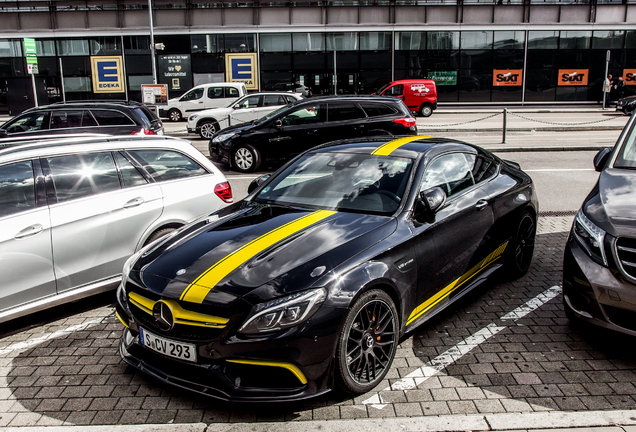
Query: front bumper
[[218, 154], [295, 364], [597, 294]]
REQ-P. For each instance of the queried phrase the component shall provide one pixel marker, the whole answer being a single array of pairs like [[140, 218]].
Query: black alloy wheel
[[174, 115], [368, 342], [522, 246]]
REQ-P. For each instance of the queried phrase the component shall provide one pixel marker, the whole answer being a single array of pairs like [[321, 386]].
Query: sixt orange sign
[[573, 77], [507, 77], [629, 75]]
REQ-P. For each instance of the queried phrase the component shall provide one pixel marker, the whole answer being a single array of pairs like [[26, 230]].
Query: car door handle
[[312, 131], [481, 204], [29, 231], [134, 202]]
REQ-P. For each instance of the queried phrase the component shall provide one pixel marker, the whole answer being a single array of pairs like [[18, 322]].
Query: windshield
[[626, 157], [360, 183]]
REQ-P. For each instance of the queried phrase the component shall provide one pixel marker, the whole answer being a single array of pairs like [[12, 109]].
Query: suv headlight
[[590, 237], [284, 312], [223, 137]]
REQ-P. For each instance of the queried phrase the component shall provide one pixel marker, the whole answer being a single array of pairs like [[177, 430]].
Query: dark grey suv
[[112, 118]]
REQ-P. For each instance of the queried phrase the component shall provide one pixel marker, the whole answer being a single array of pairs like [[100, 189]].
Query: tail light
[[143, 132], [406, 121], [224, 191]]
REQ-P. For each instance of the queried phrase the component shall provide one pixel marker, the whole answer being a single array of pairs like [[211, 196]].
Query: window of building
[[375, 41], [575, 39], [105, 45], [206, 43], [509, 40], [411, 41], [543, 39], [476, 40], [608, 39], [10, 48], [243, 42], [308, 42], [72, 47], [276, 42], [442, 40], [45, 48], [342, 41]]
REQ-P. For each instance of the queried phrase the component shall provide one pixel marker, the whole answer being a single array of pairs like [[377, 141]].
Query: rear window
[[112, 118], [164, 165], [81, 175], [377, 109]]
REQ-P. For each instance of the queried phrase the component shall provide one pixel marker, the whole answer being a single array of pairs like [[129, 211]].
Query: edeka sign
[[507, 77], [629, 76], [573, 77], [108, 74], [242, 68]]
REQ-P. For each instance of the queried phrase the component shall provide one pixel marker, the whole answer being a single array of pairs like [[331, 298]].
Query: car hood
[[611, 204], [239, 127], [278, 249]]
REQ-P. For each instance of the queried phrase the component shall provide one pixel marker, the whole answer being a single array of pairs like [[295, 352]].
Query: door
[[299, 130], [20, 94], [29, 124], [26, 260], [193, 101], [246, 110], [459, 232], [98, 219]]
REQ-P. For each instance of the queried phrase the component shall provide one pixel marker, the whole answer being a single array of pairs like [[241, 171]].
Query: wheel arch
[[212, 119], [153, 229]]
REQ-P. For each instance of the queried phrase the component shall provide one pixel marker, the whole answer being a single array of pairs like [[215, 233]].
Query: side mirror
[[3, 133], [429, 202], [257, 182], [601, 158], [278, 123]]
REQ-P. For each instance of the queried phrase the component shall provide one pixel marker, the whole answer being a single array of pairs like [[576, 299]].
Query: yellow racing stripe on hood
[[387, 148], [199, 289]]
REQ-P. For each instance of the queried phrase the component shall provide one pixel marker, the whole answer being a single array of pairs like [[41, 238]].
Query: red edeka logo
[[507, 77], [573, 77]]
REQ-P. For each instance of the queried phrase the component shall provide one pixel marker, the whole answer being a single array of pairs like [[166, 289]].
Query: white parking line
[[29, 343], [456, 352]]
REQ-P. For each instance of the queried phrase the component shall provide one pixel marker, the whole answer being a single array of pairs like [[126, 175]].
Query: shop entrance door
[[20, 94]]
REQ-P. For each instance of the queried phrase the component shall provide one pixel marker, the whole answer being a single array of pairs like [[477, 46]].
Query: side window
[[164, 165], [344, 111], [129, 174], [396, 90], [377, 109], [250, 102], [66, 119], [17, 188], [308, 114], [273, 100], [451, 172], [215, 92], [290, 99], [192, 95], [88, 119], [81, 175], [111, 118], [29, 122], [483, 167], [231, 92]]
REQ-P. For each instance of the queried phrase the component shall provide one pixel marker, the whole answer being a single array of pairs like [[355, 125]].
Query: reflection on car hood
[[611, 204], [287, 249], [239, 127]]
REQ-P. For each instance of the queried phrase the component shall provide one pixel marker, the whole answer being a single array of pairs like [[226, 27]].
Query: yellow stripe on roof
[[199, 289], [387, 148]]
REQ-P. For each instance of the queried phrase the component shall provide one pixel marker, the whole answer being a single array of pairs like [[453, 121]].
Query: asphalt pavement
[[535, 375]]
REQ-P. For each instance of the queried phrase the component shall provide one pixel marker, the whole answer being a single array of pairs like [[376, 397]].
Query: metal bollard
[[505, 120], [229, 119]]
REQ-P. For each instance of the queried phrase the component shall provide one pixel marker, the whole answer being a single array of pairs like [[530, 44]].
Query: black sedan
[[626, 104], [309, 283], [599, 266]]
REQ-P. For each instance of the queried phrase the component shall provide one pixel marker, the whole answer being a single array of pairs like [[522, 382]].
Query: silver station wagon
[[73, 210]]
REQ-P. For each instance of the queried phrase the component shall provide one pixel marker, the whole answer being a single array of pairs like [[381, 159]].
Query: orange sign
[[629, 75], [507, 77], [573, 77]]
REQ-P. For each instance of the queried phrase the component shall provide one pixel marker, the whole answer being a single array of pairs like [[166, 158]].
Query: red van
[[420, 95]]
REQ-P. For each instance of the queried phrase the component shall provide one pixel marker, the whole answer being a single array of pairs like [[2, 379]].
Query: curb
[[495, 149]]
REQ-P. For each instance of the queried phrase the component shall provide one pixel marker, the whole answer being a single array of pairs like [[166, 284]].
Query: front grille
[[626, 254]]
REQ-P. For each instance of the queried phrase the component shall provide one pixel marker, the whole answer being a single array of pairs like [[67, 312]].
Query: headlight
[[193, 117], [590, 237], [223, 137], [283, 312]]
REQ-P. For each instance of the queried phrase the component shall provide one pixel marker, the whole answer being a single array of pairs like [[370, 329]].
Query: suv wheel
[[207, 129], [246, 158], [174, 115]]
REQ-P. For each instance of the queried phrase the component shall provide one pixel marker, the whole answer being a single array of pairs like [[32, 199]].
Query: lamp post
[[152, 44]]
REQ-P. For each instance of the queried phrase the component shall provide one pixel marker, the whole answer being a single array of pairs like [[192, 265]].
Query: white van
[[203, 96]]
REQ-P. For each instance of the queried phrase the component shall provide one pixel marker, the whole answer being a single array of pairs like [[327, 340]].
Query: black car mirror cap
[[257, 182], [429, 202], [601, 158], [3, 133], [278, 123]]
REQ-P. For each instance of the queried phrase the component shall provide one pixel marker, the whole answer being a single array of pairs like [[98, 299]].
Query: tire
[[521, 246], [207, 129], [174, 115], [158, 234], [367, 344], [426, 110], [246, 158]]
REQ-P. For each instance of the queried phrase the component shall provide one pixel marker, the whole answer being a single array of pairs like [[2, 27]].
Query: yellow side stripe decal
[[290, 367], [441, 295], [197, 290], [387, 148]]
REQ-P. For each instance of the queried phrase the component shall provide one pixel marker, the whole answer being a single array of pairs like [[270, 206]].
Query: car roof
[[349, 98], [411, 147], [87, 104], [37, 148]]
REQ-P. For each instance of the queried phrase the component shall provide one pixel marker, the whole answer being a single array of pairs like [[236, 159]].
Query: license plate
[[168, 347]]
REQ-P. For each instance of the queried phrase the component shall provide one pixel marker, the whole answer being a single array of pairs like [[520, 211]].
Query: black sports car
[[310, 281], [626, 104]]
